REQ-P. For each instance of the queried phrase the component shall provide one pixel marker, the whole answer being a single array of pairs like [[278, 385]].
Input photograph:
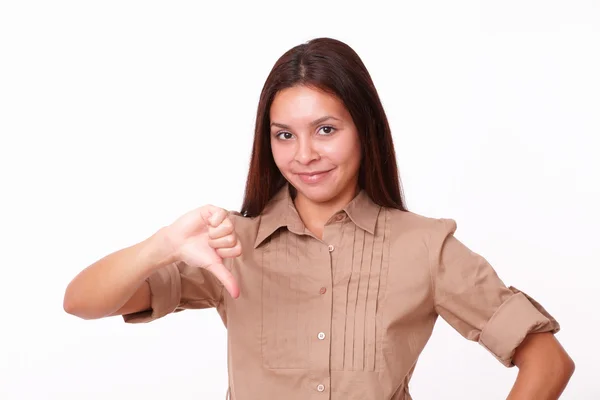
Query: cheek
[[343, 152], [281, 154]]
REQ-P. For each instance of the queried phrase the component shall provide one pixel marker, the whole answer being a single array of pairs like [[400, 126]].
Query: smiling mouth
[[313, 177]]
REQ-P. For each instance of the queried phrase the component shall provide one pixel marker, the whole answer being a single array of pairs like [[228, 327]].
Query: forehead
[[305, 103]]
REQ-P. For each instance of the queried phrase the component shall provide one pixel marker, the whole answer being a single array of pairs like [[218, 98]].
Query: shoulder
[[422, 239], [415, 225], [245, 227], [414, 232]]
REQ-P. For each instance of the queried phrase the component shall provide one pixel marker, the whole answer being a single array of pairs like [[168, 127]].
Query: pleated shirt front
[[345, 317]]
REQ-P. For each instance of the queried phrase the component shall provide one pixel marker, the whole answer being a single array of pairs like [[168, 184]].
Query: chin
[[321, 193]]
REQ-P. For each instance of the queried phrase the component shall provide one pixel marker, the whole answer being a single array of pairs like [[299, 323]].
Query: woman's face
[[315, 143]]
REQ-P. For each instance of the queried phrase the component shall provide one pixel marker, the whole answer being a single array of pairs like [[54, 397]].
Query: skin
[[304, 139], [312, 131], [545, 368]]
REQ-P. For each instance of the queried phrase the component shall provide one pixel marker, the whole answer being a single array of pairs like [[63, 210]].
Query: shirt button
[[321, 335], [331, 248], [339, 217], [320, 388], [323, 290]]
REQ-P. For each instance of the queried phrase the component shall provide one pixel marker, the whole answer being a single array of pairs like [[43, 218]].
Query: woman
[[328, 286]]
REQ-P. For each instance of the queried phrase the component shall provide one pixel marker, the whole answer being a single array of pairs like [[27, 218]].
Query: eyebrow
[[315, 122]]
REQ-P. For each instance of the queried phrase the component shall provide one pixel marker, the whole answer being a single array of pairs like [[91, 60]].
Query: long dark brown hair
[[334, 67]]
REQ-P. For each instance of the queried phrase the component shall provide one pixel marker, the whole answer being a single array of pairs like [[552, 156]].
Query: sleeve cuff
[[165, 295], [518, 316]]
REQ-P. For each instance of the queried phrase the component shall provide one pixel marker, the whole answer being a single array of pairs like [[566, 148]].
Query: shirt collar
[[281, 212]]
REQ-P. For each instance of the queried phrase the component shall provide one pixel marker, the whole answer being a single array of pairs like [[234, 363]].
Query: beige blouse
[[346, 317]]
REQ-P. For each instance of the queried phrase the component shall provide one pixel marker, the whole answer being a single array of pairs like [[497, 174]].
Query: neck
[[315, 215]]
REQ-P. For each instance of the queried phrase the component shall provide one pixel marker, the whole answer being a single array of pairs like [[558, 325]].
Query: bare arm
[[116, 284], [544, 368]]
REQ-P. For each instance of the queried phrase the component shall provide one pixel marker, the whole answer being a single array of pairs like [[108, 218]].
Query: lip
[[314, 176]]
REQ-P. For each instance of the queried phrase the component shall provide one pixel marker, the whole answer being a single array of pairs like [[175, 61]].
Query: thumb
[[226, 278]]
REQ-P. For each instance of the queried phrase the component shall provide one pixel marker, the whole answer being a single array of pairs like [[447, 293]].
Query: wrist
[[158, 251]]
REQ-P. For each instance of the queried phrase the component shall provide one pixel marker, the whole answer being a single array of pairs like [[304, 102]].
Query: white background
[[116, 117]]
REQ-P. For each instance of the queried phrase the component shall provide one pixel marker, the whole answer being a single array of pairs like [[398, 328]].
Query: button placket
[[322, 324]]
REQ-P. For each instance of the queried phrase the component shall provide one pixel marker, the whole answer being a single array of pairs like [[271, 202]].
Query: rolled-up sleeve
[[177, 287], [471, 297]]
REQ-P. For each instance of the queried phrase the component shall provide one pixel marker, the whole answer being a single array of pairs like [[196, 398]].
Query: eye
[[284, 135], [327, 130]]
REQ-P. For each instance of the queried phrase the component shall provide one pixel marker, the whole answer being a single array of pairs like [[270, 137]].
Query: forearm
[[544, 369], [105, 286], [543, 383]]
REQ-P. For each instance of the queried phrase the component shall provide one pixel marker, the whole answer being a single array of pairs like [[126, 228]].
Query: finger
[[231, 252], [217, 217], [206, 212], [223, 242], [226, 278], [224, 229]]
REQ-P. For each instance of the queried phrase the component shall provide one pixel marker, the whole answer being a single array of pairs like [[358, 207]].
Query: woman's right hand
[[202, 238]]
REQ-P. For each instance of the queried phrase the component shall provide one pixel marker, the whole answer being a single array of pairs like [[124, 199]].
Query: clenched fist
[[202, 238]]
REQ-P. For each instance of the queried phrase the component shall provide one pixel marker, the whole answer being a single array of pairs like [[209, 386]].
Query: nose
[[305, 151]]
